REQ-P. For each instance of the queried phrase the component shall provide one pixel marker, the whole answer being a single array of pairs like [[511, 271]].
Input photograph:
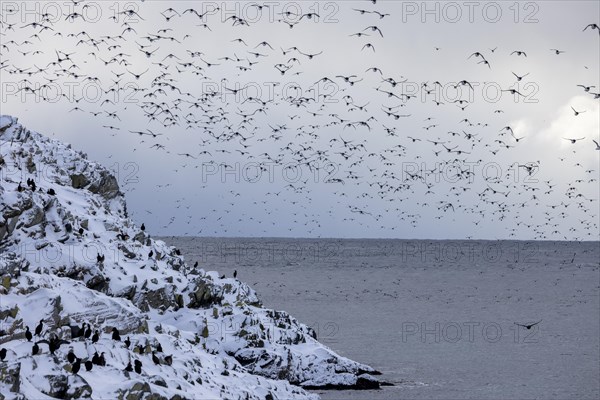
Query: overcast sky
[[361, 189]]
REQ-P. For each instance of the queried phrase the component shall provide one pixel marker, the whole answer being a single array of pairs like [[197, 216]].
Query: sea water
[[437, 318]]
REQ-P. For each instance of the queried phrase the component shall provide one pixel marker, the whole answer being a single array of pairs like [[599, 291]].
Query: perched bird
[[155, 358], [2, 354], [28, 334], [88, 365], [53, 343], [76, 366], [71, 356], [96, 336], [137, 366], [35, 349], [38, 329], [169, 360], [115, 334], [77, 331]]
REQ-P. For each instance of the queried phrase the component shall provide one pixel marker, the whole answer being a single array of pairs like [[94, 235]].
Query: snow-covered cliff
[[70, 255]]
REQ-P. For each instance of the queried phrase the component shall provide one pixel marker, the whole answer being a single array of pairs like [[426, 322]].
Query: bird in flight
[[519, 78], [528, 326], [573, 141], [593, 26], [586, 88]]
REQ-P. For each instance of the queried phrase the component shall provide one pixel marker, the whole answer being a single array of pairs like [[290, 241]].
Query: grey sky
[[200, 200]]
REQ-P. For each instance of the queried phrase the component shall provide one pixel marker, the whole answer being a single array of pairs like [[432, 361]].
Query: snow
[[224, 344]]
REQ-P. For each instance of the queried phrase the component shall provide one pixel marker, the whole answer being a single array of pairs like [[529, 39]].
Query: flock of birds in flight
[[158, 59]]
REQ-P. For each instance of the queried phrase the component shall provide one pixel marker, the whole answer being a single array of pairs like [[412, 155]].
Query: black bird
[[88, 332], [127, 342], [100, 258], [76, 365], [80, 231], [102, 360], [71, 356], [129, 368], [529, 326], [140, 349], [159, 348], [593, 26], [77, 331], [54, 343], [115, 335], [169, 360], [2, 354], [143, 227], [235, 274], [96, 336], [88, 365], [96, 358], [155, 359], [138, 366], [28, 334], [51, 192], [35, 349], [38, 329]]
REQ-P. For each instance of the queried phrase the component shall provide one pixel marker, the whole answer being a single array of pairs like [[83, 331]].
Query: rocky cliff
[[70, 255]]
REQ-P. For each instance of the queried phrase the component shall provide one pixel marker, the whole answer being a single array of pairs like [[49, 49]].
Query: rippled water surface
[[436, 318]]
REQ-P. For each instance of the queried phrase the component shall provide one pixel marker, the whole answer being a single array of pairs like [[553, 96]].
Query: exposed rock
[[10, 375], [98, 283], [202, 295], [106, 186], [59, 386], [35, 217], [79, 181]]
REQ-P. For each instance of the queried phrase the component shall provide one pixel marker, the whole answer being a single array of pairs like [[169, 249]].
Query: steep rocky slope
[[69, 255]]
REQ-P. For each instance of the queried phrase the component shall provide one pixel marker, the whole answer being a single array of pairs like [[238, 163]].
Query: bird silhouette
[[528, 326]]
